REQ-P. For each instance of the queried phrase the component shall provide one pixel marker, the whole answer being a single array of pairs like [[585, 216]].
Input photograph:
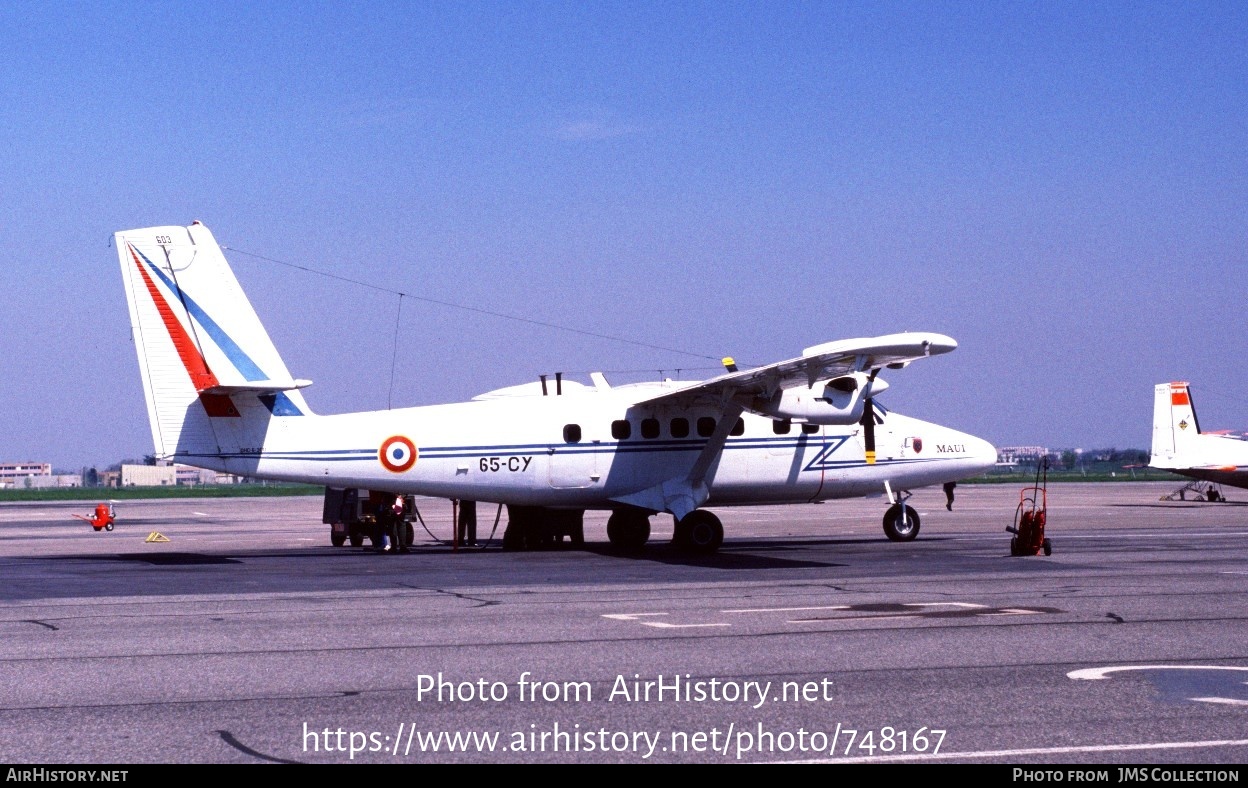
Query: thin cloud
[[590, 129]]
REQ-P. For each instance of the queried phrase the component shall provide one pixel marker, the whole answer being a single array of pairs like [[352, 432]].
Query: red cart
[[103, 519], [1028, 528]]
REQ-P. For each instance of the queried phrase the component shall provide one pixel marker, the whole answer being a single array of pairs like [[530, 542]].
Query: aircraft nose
[[983, 453]]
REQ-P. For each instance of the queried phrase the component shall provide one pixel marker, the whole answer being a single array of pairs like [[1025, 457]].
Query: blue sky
[[1060, 186]]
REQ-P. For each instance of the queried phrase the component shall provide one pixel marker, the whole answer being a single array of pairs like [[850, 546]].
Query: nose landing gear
[[901, 522]]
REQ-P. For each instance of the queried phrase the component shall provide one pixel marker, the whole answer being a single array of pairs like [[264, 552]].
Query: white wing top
[[845, 370]]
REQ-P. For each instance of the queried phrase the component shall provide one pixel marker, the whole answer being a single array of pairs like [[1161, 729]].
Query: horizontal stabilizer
[[258, 387]]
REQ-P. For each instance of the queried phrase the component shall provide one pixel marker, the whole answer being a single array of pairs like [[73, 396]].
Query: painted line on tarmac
[[1224, 701]]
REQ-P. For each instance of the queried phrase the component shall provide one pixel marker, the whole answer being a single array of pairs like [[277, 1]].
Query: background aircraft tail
[[1175, 429], [212, 377]]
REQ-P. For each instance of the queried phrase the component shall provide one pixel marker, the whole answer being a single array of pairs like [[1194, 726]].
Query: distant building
[[190, 476], [53, 480], [1013, 455], [22, 474], [164, 475], [38, 475], [147, 476]]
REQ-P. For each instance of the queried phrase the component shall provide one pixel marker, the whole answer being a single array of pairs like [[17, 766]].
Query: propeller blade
[[868, 430]]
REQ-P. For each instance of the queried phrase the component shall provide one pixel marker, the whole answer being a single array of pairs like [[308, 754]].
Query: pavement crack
[[465, 597], [1117, 619]]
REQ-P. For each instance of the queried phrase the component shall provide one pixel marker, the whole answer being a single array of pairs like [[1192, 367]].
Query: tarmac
[[232, 631]]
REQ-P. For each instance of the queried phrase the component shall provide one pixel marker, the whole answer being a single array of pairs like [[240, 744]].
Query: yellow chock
[[156, 536]]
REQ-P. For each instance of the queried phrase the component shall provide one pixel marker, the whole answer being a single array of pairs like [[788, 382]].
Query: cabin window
[[782, 426], [738, 428], [706, 426], [621, 429], [649, 428], [810, 429], [571, 433], [680, 427]]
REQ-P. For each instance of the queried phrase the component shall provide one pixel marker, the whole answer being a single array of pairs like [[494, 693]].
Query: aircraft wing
[[819, 363]]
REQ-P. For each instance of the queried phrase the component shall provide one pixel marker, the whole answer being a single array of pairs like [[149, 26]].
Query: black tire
[[409, 534], [513, 536], [1048, 547], [901, 523], [628, 530], [356, 538], [108, 527], [337, 538], [700, 532], [538, 535]]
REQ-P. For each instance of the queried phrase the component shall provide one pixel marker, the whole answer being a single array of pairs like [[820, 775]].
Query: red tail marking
[[201, 377]]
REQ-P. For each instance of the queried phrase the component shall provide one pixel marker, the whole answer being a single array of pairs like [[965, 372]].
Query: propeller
[[868, 422]]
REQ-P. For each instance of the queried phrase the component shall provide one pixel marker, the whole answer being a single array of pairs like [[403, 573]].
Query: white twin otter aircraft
[[804, 430]]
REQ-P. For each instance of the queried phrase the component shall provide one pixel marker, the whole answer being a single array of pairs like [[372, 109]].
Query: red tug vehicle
[[103, 519], [1028, 528]]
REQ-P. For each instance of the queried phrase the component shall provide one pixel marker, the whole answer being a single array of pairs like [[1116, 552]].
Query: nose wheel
[[901, 523]]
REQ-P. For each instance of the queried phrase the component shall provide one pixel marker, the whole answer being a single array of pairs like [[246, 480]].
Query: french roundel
[[397, 454]]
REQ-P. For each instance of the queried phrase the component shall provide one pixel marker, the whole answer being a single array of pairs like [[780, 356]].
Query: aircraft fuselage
[[589, 449]]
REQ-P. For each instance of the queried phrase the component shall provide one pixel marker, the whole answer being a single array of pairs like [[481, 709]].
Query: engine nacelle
[[838, 401]]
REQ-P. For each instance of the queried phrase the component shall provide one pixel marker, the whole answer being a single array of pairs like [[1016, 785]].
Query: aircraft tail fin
[[1175, 428], [212, 377]]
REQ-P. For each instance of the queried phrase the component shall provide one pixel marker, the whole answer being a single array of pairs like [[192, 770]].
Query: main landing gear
[[699, 533], [628, 530]]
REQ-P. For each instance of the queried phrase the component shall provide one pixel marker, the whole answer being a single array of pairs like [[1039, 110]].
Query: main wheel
[[628, 530], [1048, 547], [699, 532], [513, 536], [337, 538], [901, 523], [538, 535]]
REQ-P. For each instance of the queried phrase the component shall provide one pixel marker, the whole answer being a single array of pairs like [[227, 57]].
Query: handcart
[[1028, 527]]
